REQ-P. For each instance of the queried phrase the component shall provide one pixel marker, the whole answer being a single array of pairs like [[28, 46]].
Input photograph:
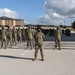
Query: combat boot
[[59, 48], [5, 47], [0, 47], [42, 58], [54, 48], [31, 48], [35, 58]]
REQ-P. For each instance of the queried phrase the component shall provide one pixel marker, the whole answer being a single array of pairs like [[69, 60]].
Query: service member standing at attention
[[58, 35], [14, 36], [29, 38], [39, 37], [19, 37], [9, 36], [3, 38]]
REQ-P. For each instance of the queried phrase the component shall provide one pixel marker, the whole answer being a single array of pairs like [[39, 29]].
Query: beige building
[[11, 22]]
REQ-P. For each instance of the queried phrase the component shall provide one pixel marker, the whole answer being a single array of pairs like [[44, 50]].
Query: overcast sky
[[53, 12]]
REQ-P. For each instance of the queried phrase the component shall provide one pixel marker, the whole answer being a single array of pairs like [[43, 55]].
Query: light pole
[[71, 19], [64, 22]]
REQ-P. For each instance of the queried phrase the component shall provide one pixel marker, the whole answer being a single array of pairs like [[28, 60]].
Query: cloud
[[57, 10], [62, 7], [46, 20], [25, 22], [9, 13], [43, 20]]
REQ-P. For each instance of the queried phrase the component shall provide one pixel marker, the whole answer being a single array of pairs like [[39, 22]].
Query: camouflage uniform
[[33, 40], [14, 36], [23, 35], [3, 38], [19, 35], [29, 38], [39, 37], [9, 36], [58, 34], [0, 33]]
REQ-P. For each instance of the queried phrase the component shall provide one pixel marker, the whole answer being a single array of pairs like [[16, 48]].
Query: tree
[[73, 25], [64, 26], [61, 26]]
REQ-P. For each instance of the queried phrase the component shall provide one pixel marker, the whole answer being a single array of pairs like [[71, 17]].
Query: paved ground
[[18, 61]]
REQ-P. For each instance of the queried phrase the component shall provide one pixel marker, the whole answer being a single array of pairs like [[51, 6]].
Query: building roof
[[6, 18]]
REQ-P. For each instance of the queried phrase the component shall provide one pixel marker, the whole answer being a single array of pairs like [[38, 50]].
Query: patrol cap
[[38, 29], [2, 27], [29, 27], [58, 27]]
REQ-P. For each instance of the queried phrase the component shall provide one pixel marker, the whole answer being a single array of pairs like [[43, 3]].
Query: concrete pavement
[[18, 61]]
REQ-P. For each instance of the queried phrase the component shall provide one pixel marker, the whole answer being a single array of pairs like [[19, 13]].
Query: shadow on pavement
[[61, 48], [68, 48], [15, 57]]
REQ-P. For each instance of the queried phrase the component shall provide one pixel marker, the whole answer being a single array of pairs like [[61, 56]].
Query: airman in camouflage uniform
[[39, 37], [19, 35], [29, 38], [9, 36], [14, 35], [3, 38], [23, 35], [58, 34], [33, 32], [0, 33]]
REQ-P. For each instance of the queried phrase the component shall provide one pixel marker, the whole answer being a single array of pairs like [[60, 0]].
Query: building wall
[[18, 22], [6, 22], [2, 22], [14, 22], [11, 22]]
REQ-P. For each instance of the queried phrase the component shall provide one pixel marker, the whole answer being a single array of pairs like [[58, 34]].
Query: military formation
[[34, 38], [10, 36]]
